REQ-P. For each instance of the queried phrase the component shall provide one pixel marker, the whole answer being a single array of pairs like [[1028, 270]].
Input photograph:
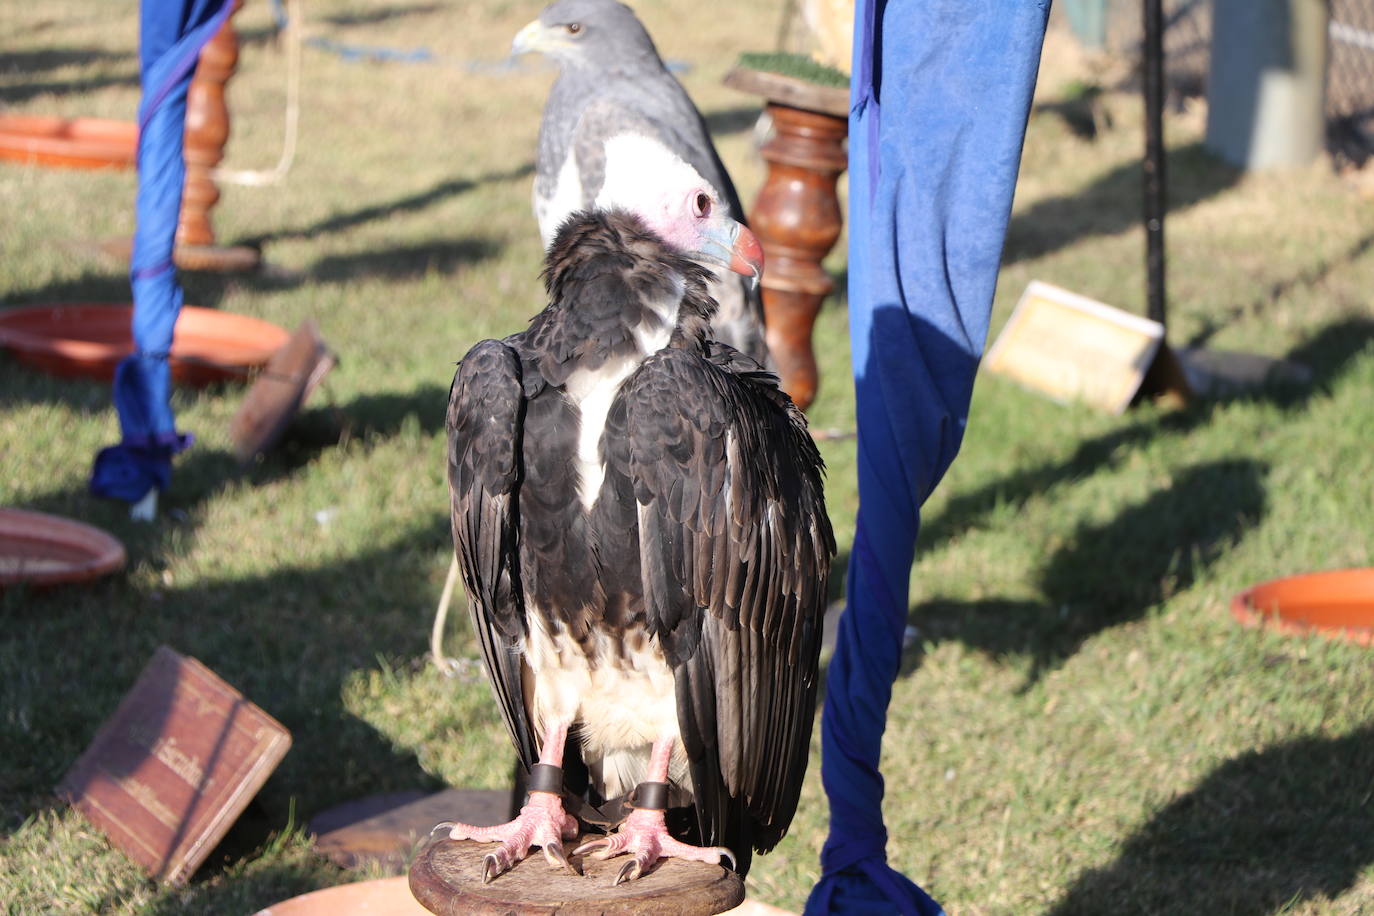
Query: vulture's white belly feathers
[[620, 707], [625, 699]]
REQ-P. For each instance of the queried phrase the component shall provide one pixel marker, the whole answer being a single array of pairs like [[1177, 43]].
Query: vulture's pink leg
[[542, 821], [644, 832]]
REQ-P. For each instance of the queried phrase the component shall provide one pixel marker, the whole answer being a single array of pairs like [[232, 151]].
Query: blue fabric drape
[[171, 35], [935, 132]]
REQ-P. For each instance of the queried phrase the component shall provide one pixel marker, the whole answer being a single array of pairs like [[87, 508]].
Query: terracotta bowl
[[1338, 604], [38, 549], [382, 897], [88, 341], [83, 143]]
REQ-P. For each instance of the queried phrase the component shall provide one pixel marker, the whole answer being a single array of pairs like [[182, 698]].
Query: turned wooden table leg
[[797, 220], [207, 130]]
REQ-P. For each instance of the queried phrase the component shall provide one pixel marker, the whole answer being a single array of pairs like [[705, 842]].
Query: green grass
[[1081, 729], [798, 65]]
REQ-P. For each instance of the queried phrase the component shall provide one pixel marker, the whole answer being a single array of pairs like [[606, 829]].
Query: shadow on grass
[[289, 640], [408, 204], [21, 384], [40, 60], [399, 263], [1264, 832], [1114, 573], [403, 262], [1306, 278], [1327, 354], [13, 95], [369, 418], [93, 285], [201, 473], [1111, 204]]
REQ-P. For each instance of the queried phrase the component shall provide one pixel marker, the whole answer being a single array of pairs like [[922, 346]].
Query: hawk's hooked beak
[[731, 245], [537, 38]]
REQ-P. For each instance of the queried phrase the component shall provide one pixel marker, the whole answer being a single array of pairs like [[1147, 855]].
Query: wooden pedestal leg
[[207, 130], [797, 219]]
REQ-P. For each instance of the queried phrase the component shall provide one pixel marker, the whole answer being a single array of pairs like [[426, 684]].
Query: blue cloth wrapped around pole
[[171, 35], [936, 127]]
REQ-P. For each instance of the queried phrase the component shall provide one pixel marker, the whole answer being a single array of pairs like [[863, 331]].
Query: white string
[[295, 25], [449, 666]]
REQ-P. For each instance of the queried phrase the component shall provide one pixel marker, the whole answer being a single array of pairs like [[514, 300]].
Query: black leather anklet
[[652, 796], [545, 777]]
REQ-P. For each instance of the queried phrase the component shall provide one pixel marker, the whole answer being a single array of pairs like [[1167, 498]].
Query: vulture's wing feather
[[485, 419], [735, 550]]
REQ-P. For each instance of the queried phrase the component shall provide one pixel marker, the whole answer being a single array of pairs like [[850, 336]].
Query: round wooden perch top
[[790, 90], [447, 880]]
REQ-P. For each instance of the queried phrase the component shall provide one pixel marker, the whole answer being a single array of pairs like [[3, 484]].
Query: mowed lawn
[[1079, 729]]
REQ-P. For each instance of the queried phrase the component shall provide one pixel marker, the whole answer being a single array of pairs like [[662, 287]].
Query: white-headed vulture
[[639, 519]]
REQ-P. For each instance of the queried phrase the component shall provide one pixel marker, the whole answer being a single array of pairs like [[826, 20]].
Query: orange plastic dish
[[378, 897], [83, 143], [89, 341], [38, 549], [1338, 604]]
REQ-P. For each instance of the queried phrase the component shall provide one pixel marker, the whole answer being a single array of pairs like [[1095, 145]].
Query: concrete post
[[1267, 88]]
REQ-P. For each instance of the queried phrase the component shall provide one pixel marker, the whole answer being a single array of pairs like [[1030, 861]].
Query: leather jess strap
[[652, 796], [545, 777]]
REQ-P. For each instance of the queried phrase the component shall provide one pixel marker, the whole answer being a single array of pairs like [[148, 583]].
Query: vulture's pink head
[[644, 177]]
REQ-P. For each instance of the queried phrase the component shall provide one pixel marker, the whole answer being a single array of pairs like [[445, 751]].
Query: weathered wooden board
[[1070, 347], [280, 390], [174, 767], [386, 830]]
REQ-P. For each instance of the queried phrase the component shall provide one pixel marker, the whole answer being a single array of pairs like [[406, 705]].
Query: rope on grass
[[449, 666], [277, 174]]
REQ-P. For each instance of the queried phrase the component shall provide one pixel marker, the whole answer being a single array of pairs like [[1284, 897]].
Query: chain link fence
[[1116, 25], [1350, 80]]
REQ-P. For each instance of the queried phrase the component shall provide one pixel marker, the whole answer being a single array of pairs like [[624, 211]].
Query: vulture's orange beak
[[731, 245]]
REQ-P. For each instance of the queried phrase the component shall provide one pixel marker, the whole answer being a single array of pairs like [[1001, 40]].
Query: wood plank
[[1070, 347], [175, 765]]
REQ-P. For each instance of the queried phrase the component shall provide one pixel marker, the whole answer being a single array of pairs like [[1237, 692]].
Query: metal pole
[[1154, 159]]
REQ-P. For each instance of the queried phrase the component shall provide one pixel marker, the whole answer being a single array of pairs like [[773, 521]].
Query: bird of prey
[[611, 80], [639, 520]]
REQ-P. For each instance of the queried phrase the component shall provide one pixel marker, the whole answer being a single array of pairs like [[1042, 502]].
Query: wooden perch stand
[[207, 130], [797, 215], [446, 878]]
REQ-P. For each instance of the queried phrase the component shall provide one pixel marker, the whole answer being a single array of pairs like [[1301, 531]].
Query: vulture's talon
[[492, 866], [631, 870], [725, 853], [602, 848], [442, 825], [554, 854], [541, 822]]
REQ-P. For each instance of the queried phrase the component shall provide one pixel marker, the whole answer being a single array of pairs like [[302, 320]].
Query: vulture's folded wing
[[485, 416], [735, 550]]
